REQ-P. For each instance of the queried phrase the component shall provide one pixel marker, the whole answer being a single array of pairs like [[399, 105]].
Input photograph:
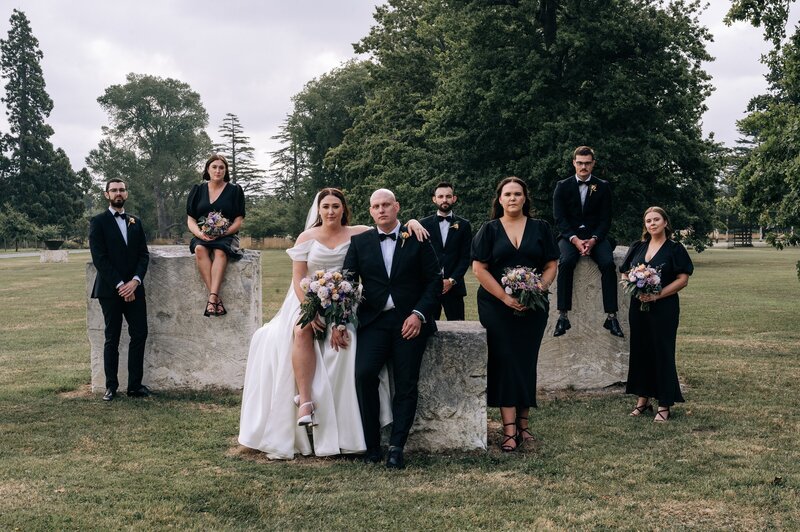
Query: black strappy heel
[[504, 445], [209, 303]]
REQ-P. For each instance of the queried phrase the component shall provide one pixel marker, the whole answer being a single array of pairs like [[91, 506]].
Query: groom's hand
[[340, 338], [411, 327]]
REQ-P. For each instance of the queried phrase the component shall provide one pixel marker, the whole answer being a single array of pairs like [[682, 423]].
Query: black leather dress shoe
[[395, 459], [374, 455], [110, 394], [612, 324], [141, 391], [562, 325]]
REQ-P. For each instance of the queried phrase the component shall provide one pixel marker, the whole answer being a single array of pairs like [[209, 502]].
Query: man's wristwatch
[[452, 281], [420, 315]]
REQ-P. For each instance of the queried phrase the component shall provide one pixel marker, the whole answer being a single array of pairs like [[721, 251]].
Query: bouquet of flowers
[[525, 284], [215, 224], [642, 279], [332, 296]]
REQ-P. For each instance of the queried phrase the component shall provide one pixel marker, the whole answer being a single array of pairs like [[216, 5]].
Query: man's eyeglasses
[[115, 190]]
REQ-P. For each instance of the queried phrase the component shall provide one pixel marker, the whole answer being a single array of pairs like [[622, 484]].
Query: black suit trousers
[[453, 305], [603, 255], [379, 343], [135, 313]]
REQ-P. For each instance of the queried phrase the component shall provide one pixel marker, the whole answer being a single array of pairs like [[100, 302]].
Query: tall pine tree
[[241, 164], [37, 179]]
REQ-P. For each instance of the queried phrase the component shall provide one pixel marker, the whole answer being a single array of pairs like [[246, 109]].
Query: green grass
[[729, 458]]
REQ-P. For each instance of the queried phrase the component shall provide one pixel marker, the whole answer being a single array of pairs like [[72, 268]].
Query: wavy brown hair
[[216, 157], [330, 191], [668, 232], [497, 209]]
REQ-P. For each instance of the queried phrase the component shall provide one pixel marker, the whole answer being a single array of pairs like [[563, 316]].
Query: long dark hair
[[497, 209], [668, 232], [216, 157], [339, 194]]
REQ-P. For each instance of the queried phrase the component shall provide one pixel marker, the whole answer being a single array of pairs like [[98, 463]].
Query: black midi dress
[[513, 340], [651, 370], [230, 203]]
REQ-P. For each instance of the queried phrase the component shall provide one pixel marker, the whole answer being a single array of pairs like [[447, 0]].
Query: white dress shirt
[[387, 250]]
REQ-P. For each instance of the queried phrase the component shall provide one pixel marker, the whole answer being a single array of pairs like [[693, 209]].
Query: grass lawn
[[730, 457]]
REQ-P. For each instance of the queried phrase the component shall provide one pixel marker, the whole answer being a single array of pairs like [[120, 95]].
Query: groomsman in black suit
[[582, 212], [119, 253], [401, 280], [451, 237]]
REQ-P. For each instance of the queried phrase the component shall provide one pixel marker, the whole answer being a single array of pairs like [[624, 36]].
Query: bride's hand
[[420, 232], [318, 324]]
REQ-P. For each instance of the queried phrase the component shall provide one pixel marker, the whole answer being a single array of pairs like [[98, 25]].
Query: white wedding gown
[[268, 420]]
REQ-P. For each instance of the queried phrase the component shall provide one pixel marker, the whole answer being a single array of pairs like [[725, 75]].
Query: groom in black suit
[[401, 280], [451, 237], [119, 253], [582, 212]]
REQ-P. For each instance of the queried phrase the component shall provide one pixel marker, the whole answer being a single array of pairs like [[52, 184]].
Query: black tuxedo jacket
[[595, 215], [114, 260], [454, 256], [414, 284]]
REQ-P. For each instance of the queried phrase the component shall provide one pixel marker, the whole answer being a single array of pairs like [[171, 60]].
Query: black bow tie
[[583, 183], [384, 236], [120, 215], [445, 218]]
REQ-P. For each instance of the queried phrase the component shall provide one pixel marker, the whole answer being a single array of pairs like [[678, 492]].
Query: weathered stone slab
[[54, 255], [451, 414], [587, 356], [184, 348]]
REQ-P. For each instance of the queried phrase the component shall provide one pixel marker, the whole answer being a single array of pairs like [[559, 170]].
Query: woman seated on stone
[[215, 212]]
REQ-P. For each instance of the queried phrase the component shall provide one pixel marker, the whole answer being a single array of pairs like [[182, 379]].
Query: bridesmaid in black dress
[[213, 253], [511, 238], [652, 372]]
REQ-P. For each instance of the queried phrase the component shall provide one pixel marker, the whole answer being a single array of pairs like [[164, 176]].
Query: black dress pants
[[378, 343], [603, 254], [135, 314]]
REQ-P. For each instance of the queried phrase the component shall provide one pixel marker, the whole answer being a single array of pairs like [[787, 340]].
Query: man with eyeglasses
[[582, 212], [119, 253]]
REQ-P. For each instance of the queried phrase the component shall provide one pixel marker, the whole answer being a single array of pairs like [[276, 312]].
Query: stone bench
[[185, 350]]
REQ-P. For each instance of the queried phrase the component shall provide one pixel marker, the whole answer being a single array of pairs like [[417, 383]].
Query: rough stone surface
[[451, 414], [587, 356], [54, 255], [184, 348]]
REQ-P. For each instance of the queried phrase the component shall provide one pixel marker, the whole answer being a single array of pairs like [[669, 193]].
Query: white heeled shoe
[[309, 418]]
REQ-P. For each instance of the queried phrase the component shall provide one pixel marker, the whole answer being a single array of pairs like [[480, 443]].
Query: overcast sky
[[249, 57]]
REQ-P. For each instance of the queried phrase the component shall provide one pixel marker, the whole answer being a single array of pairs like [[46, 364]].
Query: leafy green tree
[[155, 141], [37, 179], [15, 225], [768, 184], [240, 154], [473, 91], [322, 113]]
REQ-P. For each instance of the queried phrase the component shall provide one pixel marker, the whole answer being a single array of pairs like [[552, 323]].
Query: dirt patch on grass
[[84, 392]]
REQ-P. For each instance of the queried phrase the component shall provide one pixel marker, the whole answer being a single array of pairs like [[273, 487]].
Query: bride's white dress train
[[268, 419]]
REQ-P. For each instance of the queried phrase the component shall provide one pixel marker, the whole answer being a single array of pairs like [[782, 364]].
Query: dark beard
[[446, 207], [119, 202]]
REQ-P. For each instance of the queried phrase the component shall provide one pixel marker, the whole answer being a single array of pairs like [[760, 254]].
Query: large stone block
[[587, 356], [451, 414], [184, 348]]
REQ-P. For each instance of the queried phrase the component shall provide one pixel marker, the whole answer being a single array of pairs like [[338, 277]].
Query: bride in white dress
[[271, 421]]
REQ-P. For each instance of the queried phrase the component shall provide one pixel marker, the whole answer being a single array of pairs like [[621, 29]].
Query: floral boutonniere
[[592, 189], [131, 220], [454, 226], [403, 237]]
